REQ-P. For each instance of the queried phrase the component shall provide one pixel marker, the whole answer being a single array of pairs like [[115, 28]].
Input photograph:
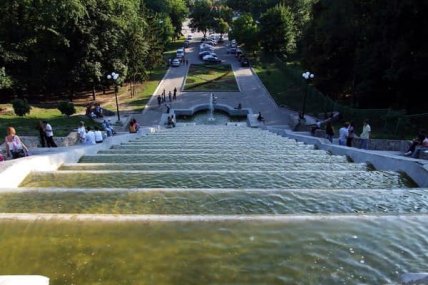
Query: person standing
[[15, 148], [350, 137], [343, 134], [365, 135], [49, 134], [174, 96], [41, 134], [159, 100], [81, 132], [169, 96], [329, 131]]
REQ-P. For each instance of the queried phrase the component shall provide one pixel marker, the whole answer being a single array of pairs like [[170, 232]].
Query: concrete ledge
[[414, 168], [253, 122], [13, 172], [222, 107], [23, 280]]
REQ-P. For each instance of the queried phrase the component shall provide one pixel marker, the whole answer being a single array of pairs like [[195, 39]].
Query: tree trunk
[[93, 93]]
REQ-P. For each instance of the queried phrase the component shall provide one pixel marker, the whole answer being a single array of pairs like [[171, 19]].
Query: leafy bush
[[21, 107], [66, 108]]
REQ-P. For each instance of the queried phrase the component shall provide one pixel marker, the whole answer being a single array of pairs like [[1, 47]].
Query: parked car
[[189, 37], [205, 47], [180, 52], [209, 56], [245, 62], [204, 53], [212, 59], [231, 50], [175, 62]]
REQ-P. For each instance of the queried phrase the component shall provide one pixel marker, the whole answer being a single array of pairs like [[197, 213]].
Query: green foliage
[[63, 46], [5, 81], [21, 107], [66, 108], [278, 30], [245, 31], [369, 53], [201, 17]]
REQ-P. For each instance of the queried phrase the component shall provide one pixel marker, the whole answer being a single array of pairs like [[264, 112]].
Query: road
[[252, 93]]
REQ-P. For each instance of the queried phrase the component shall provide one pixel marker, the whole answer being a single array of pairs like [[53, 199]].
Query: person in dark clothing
[[329, 131], [42, 134], [174, 96], [415, 142]]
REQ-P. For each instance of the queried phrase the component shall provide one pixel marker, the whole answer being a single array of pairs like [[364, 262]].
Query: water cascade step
[[214, 205]]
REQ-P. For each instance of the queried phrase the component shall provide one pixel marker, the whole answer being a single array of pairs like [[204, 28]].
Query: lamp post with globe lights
[[114, 76], [308, 77]]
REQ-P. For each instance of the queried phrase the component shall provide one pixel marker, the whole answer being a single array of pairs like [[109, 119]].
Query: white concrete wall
[[13, 172], [415, 169]]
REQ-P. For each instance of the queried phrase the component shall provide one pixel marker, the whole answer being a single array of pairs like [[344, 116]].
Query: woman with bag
[[14, 146]]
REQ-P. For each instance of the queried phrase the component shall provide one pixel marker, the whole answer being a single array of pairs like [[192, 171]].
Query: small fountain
[[212, 101]]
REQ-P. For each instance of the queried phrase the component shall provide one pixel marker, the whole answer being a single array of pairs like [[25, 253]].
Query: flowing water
[[214, 205]]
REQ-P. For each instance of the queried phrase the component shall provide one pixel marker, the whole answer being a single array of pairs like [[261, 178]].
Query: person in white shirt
[[365, 135], [49, 134], [81, 132], [98, 135], [343, 134], [90, 136]]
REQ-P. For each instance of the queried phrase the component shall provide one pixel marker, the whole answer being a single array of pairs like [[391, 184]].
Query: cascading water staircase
[[215, 205]]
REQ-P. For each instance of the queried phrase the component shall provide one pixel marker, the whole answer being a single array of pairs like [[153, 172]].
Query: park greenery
[[367, 54], [203, 77], [54, 49], [364, 54]]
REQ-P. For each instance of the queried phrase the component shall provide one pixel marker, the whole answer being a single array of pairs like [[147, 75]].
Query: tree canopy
[[58, 46]]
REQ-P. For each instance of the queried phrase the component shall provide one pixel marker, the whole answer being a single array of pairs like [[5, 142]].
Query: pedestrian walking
[[187, 62], [170, 96], [174, 96], [49, 134], [159, 100], [42, 134]]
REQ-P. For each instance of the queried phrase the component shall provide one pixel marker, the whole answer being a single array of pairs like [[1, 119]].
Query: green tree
[[5, 81], [278, 30], [201, 17], [245, 31]]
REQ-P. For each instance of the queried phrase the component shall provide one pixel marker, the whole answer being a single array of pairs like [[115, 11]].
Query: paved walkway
[[252, 93]]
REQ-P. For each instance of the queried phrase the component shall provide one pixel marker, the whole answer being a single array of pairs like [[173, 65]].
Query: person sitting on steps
[[260, 118]]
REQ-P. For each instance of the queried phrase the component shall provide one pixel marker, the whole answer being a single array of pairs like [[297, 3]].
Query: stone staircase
[[215, 205]]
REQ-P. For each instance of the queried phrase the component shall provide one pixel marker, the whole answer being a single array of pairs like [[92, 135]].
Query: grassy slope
[[210, 78]]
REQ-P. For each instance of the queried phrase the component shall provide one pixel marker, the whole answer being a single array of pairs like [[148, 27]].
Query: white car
[[209, 56], [205, 47], [175, 62]]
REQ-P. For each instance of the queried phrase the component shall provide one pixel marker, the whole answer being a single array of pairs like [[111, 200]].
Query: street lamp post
[[308, 77], [114, 76]]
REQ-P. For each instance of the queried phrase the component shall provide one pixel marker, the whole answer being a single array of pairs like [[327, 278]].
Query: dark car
[[245, 62], [212, 60]]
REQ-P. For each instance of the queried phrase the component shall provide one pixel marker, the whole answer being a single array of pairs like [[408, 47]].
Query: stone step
[[218, 179], [216, 166], [211, 151], [216, 201], [210, 158]]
